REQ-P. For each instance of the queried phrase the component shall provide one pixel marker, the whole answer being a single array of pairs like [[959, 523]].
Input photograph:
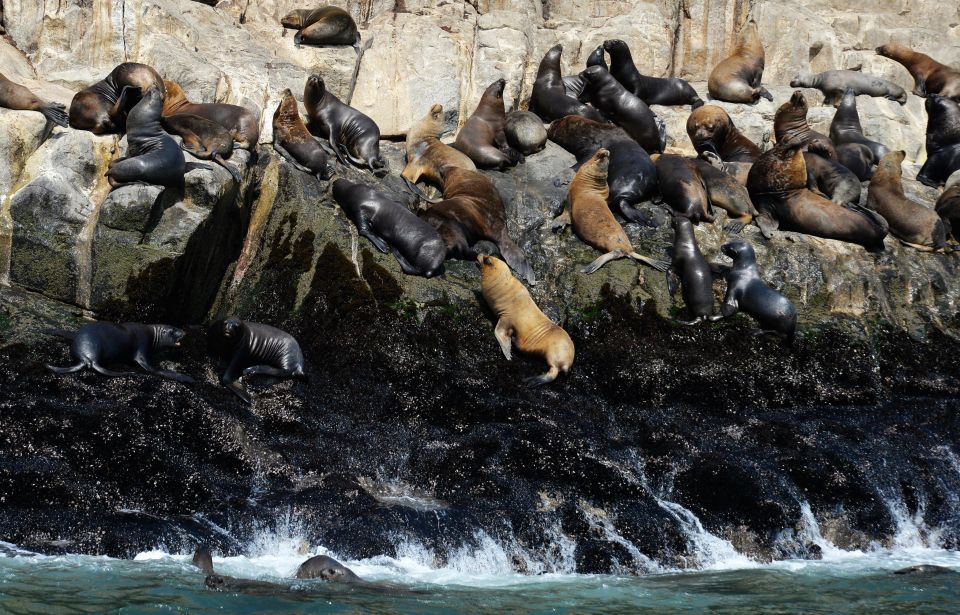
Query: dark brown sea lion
[[725, 192], [929, 76], [482, 137], [858, 158], [352, 135], [845, 128], [102, 108], [153, 157], [737, 78], [204, 139], [790, 126], [910, 222], [472, 210], [832, 180], [943, 141], [549, 99], [624, 109], [525, 132], [322, 27], [948, 208], [696, 279], [243, 125], [294, 142], [683, 189], [833, 84], [711, 129], [326, 568], [427, 157], [778, 188], [670, 91], [17, 97]]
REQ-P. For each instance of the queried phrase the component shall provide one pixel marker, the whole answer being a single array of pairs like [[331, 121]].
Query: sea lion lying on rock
[[327, 26], [910, 222], [102, 108], [671, 91], [834, 83], [243, 125], [352, 135], [711, 130], [19, 98], [293, 141], [204, 139]]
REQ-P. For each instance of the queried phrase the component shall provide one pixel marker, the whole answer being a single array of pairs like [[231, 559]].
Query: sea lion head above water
[[326, 568]]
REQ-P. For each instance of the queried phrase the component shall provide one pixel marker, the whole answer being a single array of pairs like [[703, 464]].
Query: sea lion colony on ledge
[[808, 182]]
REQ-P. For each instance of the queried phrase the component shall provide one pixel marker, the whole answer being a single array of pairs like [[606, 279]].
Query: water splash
[[710, 551], [600, 521]]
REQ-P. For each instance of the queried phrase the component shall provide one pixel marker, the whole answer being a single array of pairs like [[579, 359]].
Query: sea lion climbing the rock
[[483, 136], [19, 98], [624, 109], [835, 83], [737, 78], [942, 142], [549, 99], [102, 108], [352, 135], [929, 76], [521, 323], [293, 141], [153, 157], [696, 278], [204, 139], [912, 223], [243, 125], [670, 91]]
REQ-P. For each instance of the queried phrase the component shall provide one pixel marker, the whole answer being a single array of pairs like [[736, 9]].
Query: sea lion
[[832, 179], [204, 139], [326, 568], [943, 141], [834, 83], [624, 109], [925, 569], [428, 157], [103, 343], [153, 157], [322, 27], [711, 130], [948, 208], [738, 170], [482, 137], [670, 91], [520, 320], [845, 128], [575, 85], [696, 279], [747, 292], [19, 98], [910, 222], [294, 142], [631, 175], [251, 349], [858, 158], [102, 107], [682, 188], [203, 559], [790, 126], [471, 210], [391, 227], [549, 98], [352, 135], [725, 192], [929, 76], [243, 125], [591, 217], [525, 132], [777, 183], [737, 78]]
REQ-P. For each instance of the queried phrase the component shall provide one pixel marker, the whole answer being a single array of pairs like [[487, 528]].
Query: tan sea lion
[[929, 76], [204, 139], [427, 157], [520, 321], [790, 126], [482, 137], [294, 142], [737, 78], [17, 97], [102, 108], [243, 125], [910, 222], [711, 129]]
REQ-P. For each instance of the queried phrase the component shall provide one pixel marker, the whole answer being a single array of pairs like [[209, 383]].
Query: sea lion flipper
[[377, 241], [66, 370], [289, 158], [203, 560], [232, 170], [515, 257], [267, 370], [602, 260], [561, 221], [504, 334], [543, 379], [418, 192], [405, 265], [768, 224], [763, 93], [239, 391], [656, 264], [107, 372], [55, 114]]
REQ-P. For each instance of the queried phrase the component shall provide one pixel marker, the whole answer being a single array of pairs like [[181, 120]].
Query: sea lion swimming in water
[[929, 76], [943, 141], [17, 97], [326, 568], [737, 78], [204, 139], [549, 99], [834, 83], [482, 137], [910, 222], [293, 141], [624, 109], [520, 320], [351, 134], [790, 126], [102, 108], [711, 130], [671, 91], [153, 157], [243, 125]]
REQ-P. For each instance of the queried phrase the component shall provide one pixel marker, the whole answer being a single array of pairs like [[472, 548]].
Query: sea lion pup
[[669, 92], [790, 126], [948, 208], [428, 157], [834, 83], [845, 127], [711, 130], [471, 210], [737, 78], [725, 192], [391, 227], [858, 159], [103, 343], [326, 26], [326, 568], [943, 141], [294, 142], [778, 188], [696, 279], [683, 189], [910, 222], [251, 349], [525, 132], [832, 180], [102, 107], [747, 292], [520, 320], [153, 157], [17, 97], [243, 125], [591, 217], [624, 109], [549, 98], [482, 137], [929, 76], [204, 139], [352, 135]]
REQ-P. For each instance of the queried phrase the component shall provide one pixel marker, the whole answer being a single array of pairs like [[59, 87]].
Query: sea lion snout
[[613, 44], [798, 99]]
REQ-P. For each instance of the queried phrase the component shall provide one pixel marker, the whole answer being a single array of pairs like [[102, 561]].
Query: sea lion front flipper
[[763, 93], [504, 334], [296, 39], [734, 226], [405, 265], [515, 257], [238, 390], [561, 221], [377, 241], [55, 114], [267, 370], [232, 170], [66, 370], [673, 282], [768, 224], [203, 560], [728, 309], [123, 106], [289, 158], [418, 192], [603, 260]]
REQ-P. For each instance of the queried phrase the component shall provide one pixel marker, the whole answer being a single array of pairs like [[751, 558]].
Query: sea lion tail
[[515, 258], [55, 114], [232, 170]]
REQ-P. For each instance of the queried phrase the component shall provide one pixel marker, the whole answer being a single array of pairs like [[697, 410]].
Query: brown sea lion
[[17, 97], [591, 217], [482, 137], [711, 129], [521, 322], [323, 27], [725, 192], [929, 76], [294, 142], [243, 125], [832, 179], [624, 109], [910, 222], [102, 108], [427, 157], [549, 99], [737, 78], [352, 135], [682, 188], [845, 128], [204, 139], [948, 208], [943, 141], [833, 84], [790, 126], [472, 210], [671, 91]]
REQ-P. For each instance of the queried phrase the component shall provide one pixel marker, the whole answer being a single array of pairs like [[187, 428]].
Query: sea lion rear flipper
[[603, 260], [107, 372], [66, 370], [203, 560], [419, 193], [765, 94], [515, 257], [267, 370], [656, 264], [405, 265], [543, 379], [55, 114], [735, 226], [232, 170], [238, 390]]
